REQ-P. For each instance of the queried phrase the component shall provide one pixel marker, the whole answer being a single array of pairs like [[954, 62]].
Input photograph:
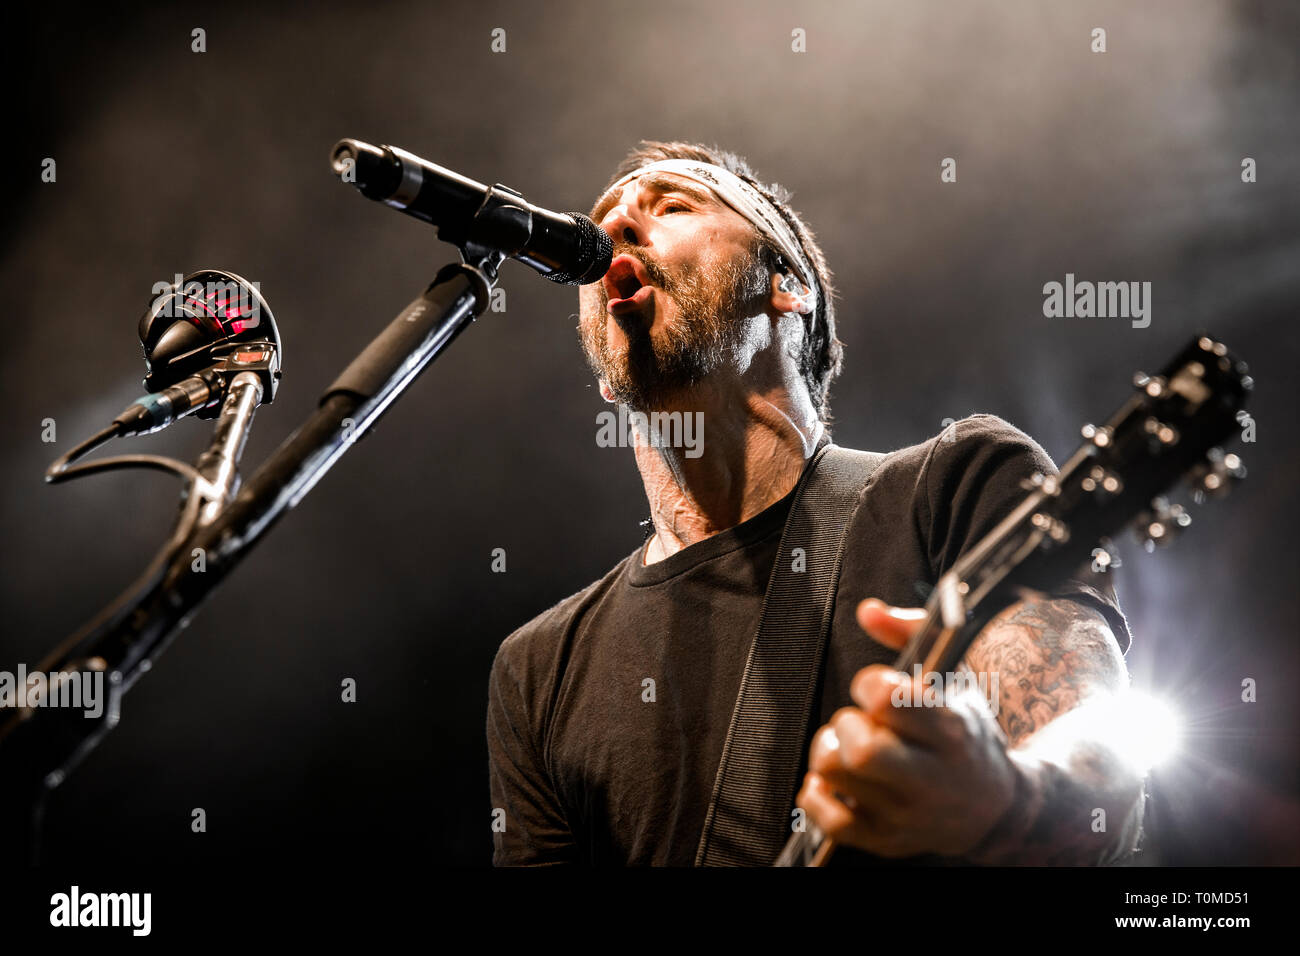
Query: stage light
[[1146, 730]]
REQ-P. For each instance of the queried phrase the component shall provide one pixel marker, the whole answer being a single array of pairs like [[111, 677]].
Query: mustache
[[657, 273]]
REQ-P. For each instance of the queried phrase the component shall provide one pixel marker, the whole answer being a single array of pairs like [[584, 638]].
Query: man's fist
[[896, 777]]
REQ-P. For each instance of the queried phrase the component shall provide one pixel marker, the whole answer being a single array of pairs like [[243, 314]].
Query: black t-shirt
[[607, 713]]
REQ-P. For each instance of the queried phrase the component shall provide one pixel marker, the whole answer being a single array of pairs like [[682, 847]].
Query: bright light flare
[[1144, 730]]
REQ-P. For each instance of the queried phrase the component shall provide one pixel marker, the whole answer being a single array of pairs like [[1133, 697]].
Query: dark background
[[1115, 166]]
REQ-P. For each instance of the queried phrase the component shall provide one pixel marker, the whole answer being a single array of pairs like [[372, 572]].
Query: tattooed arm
[[1057, 665], [1043, 783]]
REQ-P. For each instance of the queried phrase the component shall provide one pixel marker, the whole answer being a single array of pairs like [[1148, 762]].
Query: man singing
[[608, 714]]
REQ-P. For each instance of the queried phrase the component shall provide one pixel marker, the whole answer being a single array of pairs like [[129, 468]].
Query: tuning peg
[[1040, 482], [1101, 437], [1218, 475], [1101, 481], [1105, 557], [1152, 385], [1208, 344], [1161, 434], [1057, 531], [1163, 523]]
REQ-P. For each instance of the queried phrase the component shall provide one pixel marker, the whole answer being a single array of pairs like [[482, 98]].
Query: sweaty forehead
[[654, 183]]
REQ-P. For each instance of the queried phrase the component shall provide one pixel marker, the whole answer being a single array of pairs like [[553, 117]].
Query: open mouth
[[627, 284]]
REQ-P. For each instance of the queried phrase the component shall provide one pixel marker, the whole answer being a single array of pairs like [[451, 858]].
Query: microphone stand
[[219, 465], [40, 746]]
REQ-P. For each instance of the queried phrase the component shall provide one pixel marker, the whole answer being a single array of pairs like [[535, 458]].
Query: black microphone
[[157, 410], [564, 247]]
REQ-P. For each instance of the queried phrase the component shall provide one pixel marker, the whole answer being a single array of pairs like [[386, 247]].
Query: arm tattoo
[[1049, 657]]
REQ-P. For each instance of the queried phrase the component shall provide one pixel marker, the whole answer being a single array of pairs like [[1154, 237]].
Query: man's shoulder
[[935, 499], [982, 429], [963, 444], [960, 483], [539, 638]]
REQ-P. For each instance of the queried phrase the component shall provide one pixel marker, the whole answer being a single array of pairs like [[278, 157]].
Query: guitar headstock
[[1171, 429]]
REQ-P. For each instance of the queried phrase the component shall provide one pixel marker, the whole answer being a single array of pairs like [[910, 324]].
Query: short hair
[[822, 353]]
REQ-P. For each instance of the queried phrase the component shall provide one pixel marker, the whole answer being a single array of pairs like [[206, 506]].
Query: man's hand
[[1041, 785], [897, 778]]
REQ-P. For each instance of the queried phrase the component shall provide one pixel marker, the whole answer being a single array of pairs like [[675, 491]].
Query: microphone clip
[[500, 227], [211, 318]]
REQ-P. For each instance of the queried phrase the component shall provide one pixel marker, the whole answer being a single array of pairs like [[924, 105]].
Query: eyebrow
[[655, 183]]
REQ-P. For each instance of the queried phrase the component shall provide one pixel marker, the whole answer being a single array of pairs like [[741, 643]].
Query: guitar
[[1170, 429]]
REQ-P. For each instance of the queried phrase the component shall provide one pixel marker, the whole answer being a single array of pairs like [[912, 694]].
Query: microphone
[[564, 247], [199, 334], [157, 410]]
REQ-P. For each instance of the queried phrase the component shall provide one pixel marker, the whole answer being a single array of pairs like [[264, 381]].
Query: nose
[[622, 226]]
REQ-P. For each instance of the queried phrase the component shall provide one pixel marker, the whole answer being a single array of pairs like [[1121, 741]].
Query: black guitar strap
[[750, 812]]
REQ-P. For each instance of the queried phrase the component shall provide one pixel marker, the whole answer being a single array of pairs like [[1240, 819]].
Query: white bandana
[[746, 200]]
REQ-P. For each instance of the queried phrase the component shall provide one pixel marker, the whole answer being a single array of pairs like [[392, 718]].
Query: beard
[[712, 300]]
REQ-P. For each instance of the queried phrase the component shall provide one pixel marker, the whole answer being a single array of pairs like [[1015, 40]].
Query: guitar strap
[[750, 811]]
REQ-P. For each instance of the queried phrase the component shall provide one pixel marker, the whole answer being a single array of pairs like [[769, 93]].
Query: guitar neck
[[937, 648]]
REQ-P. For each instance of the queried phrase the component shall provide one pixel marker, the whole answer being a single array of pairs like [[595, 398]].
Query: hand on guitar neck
[[900, 776]]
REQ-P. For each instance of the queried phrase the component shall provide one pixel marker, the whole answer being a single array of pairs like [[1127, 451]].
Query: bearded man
[[609, 713]]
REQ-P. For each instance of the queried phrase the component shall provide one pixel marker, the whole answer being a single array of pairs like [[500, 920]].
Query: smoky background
[[1122, 166]]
